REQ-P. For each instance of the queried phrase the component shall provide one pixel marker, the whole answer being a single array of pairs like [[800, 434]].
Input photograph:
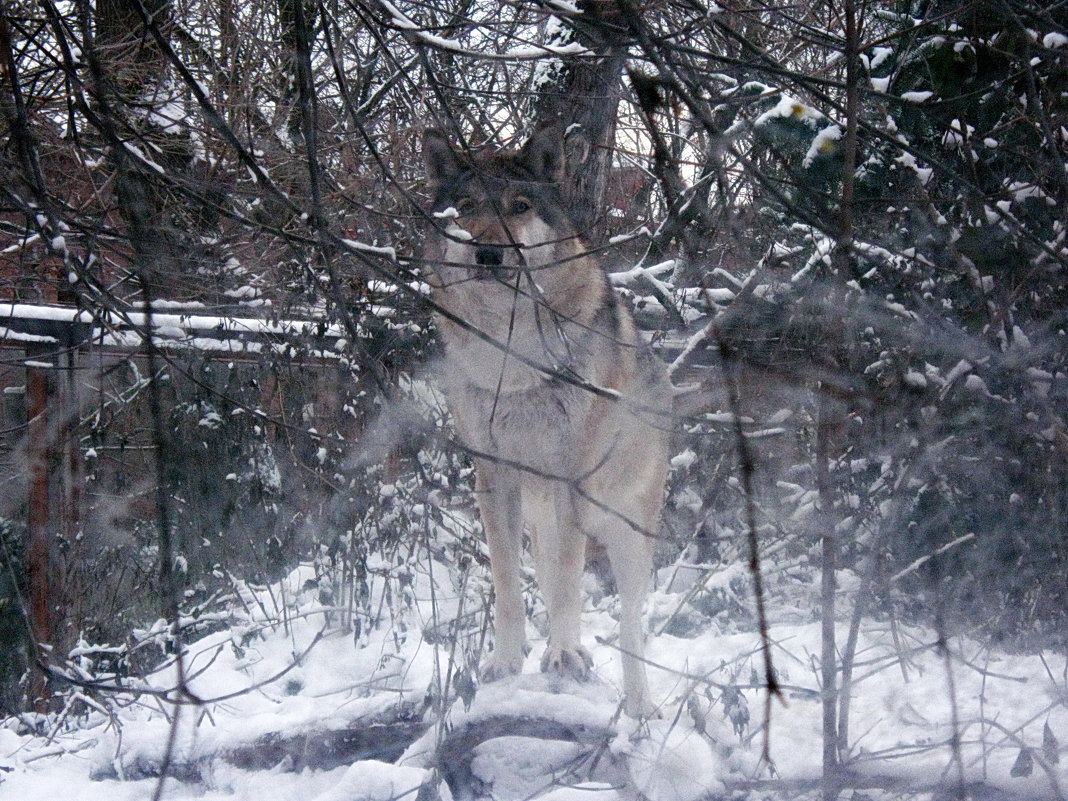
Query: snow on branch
[[526, 52]]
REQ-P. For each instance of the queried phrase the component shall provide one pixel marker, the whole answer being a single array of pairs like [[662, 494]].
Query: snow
[[620, 238], [23, 242], [683, 460], [1022, 190], [790, 107], [912, 568], [915, 379], [956, 135], [586, 791], [284, 667], [674, 763], [879, 55], [189, 331], [566, 6], [363, 247], [524, 52], [976, 384], [190, 322], [909, 161], [519, 52], [371, 780], [627, 277], [517, 767], [822, 144], [458, 233], [18, 336]]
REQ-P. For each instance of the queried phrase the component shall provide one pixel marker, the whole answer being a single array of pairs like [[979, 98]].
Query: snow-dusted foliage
[[947, 313]]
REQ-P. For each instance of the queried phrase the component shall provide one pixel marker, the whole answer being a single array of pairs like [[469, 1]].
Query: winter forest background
[[242, 551]]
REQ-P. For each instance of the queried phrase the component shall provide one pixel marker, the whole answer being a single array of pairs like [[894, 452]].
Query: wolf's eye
[[520, 206], [466, 206]]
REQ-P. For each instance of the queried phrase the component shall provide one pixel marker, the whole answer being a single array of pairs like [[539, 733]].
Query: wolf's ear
[[552, 155], [442, 162]]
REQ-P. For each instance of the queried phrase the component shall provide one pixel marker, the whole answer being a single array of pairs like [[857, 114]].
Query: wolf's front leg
[[499, 502], [560, 553]]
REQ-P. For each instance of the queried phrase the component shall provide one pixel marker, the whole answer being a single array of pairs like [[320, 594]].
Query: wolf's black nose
[[487, 256]]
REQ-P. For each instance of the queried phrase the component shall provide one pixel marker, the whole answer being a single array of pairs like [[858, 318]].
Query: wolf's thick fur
[[563, 461]]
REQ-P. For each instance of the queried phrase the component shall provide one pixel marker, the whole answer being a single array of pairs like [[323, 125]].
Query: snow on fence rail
[[26, 324]]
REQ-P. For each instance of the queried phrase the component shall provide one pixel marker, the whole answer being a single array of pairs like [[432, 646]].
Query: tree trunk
[[842, 259], [829, 559], [293, 28], [587, 92], [136, 101]]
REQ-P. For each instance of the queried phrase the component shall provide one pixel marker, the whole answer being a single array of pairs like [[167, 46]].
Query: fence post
[[40, 387]]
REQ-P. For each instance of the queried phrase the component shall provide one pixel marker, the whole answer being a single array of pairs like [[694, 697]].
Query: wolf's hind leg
[[625, 529], [631, 556]]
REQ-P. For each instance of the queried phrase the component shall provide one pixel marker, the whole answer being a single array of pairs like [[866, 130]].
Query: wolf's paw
[[574, 661], [642, 708], [498, 666]]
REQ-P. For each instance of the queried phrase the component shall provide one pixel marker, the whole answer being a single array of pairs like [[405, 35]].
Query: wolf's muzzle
[[491, 259]]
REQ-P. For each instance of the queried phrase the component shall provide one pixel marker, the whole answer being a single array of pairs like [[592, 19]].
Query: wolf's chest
[[536, 427]]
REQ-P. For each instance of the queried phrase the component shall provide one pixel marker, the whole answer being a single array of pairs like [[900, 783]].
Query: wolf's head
[[502, 212], [507, 259]]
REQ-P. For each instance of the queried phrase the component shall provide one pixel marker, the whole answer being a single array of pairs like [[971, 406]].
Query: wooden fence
[[49, 345]]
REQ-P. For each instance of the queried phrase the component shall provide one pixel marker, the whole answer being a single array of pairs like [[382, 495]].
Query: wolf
[[553, 392]]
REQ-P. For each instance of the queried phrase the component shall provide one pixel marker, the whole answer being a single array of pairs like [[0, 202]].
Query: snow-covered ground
[[284, 669]]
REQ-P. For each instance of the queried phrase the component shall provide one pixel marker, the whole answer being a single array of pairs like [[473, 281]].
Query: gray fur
[[564, 462]]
